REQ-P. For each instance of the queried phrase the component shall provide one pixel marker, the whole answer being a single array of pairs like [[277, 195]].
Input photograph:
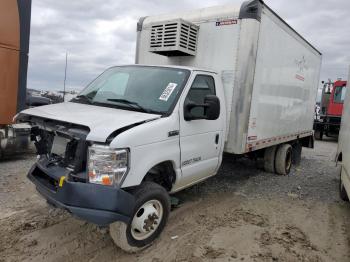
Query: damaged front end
[[61, 145], [60, 174]]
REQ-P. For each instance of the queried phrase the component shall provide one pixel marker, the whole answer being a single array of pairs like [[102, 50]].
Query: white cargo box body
[[269, 72]]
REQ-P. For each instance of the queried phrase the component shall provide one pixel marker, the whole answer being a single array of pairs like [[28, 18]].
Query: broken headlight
[[107, 166]]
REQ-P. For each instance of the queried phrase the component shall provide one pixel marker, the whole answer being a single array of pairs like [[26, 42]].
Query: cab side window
[[339, 94], [202, 85]]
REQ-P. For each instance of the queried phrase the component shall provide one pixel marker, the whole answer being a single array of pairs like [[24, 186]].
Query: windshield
[[339, 94], [146, 89]]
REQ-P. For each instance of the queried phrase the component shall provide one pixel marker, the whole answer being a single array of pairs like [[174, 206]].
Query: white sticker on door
[[168, 91]]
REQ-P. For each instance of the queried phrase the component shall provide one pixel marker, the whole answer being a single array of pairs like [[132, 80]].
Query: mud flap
[[308, 142]]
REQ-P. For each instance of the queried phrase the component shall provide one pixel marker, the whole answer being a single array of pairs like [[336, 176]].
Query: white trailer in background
[[234, 79], [343, 155]]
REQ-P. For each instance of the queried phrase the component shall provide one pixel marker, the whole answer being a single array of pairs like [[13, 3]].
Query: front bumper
[[97, 204]]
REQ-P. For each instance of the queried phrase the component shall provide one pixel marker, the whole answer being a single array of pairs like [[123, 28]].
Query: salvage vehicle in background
[[14, 47], [227, 79], [33, 100], [343, 154], [327, 121]]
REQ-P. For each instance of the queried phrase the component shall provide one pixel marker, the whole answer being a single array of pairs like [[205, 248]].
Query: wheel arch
[[162, 173]]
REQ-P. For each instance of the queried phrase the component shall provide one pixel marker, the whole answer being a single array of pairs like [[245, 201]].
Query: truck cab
[[328, 119], [132, 125], [336, 102]]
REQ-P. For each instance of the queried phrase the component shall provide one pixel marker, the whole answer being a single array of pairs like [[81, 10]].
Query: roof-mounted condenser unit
[[174, 38]]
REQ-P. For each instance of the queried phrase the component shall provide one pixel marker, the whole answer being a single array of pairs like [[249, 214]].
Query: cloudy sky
[[98, 34]]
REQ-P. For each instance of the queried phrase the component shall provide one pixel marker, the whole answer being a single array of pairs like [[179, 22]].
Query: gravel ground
[[241, 214], [315, 179]]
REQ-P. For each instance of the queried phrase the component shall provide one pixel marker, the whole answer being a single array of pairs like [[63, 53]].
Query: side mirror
[[211, 108], [212, 111]]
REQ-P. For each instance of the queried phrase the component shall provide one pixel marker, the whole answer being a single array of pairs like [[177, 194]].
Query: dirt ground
[[242, 214]]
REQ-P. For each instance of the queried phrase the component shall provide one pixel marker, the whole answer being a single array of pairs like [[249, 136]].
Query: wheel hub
[[150, 222], [146, 219]]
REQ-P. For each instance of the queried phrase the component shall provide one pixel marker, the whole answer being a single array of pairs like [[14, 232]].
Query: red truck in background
[[328, 117]]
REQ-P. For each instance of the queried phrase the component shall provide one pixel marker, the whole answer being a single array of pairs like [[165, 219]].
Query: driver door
[[200, 140]]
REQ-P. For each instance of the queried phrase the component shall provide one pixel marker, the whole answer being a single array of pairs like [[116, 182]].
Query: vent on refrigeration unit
[[174, 38]]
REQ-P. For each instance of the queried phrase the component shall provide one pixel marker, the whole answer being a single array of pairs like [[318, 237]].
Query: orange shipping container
[[14, 47]]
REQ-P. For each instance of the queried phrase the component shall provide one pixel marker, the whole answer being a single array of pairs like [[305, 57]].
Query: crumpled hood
[[101, 121]]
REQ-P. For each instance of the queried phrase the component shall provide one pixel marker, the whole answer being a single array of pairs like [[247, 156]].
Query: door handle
[[217, 139]]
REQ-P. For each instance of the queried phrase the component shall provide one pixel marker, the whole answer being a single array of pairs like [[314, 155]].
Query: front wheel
[[149, 219]]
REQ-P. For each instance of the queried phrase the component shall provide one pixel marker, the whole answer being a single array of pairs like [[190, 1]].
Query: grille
[[174, 38]]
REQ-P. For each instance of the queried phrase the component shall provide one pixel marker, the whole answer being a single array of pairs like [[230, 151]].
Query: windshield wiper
[[83, 98], [124, 101]]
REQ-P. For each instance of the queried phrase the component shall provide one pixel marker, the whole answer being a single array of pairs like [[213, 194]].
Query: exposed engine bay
[[61, 144]]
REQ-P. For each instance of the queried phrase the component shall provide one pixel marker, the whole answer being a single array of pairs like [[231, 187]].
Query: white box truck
[[343, 154], [234, 79]]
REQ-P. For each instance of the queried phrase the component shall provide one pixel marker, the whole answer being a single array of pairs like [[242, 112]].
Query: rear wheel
[[318, 134], [342, 192], [149, 218], [269, 159], [296, 153], [283, 161]]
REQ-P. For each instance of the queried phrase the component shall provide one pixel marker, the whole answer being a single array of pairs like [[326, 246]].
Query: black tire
[[121, 232], [269, 159], [296, 154], [342, 192], [283, 160], [318, 134]]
